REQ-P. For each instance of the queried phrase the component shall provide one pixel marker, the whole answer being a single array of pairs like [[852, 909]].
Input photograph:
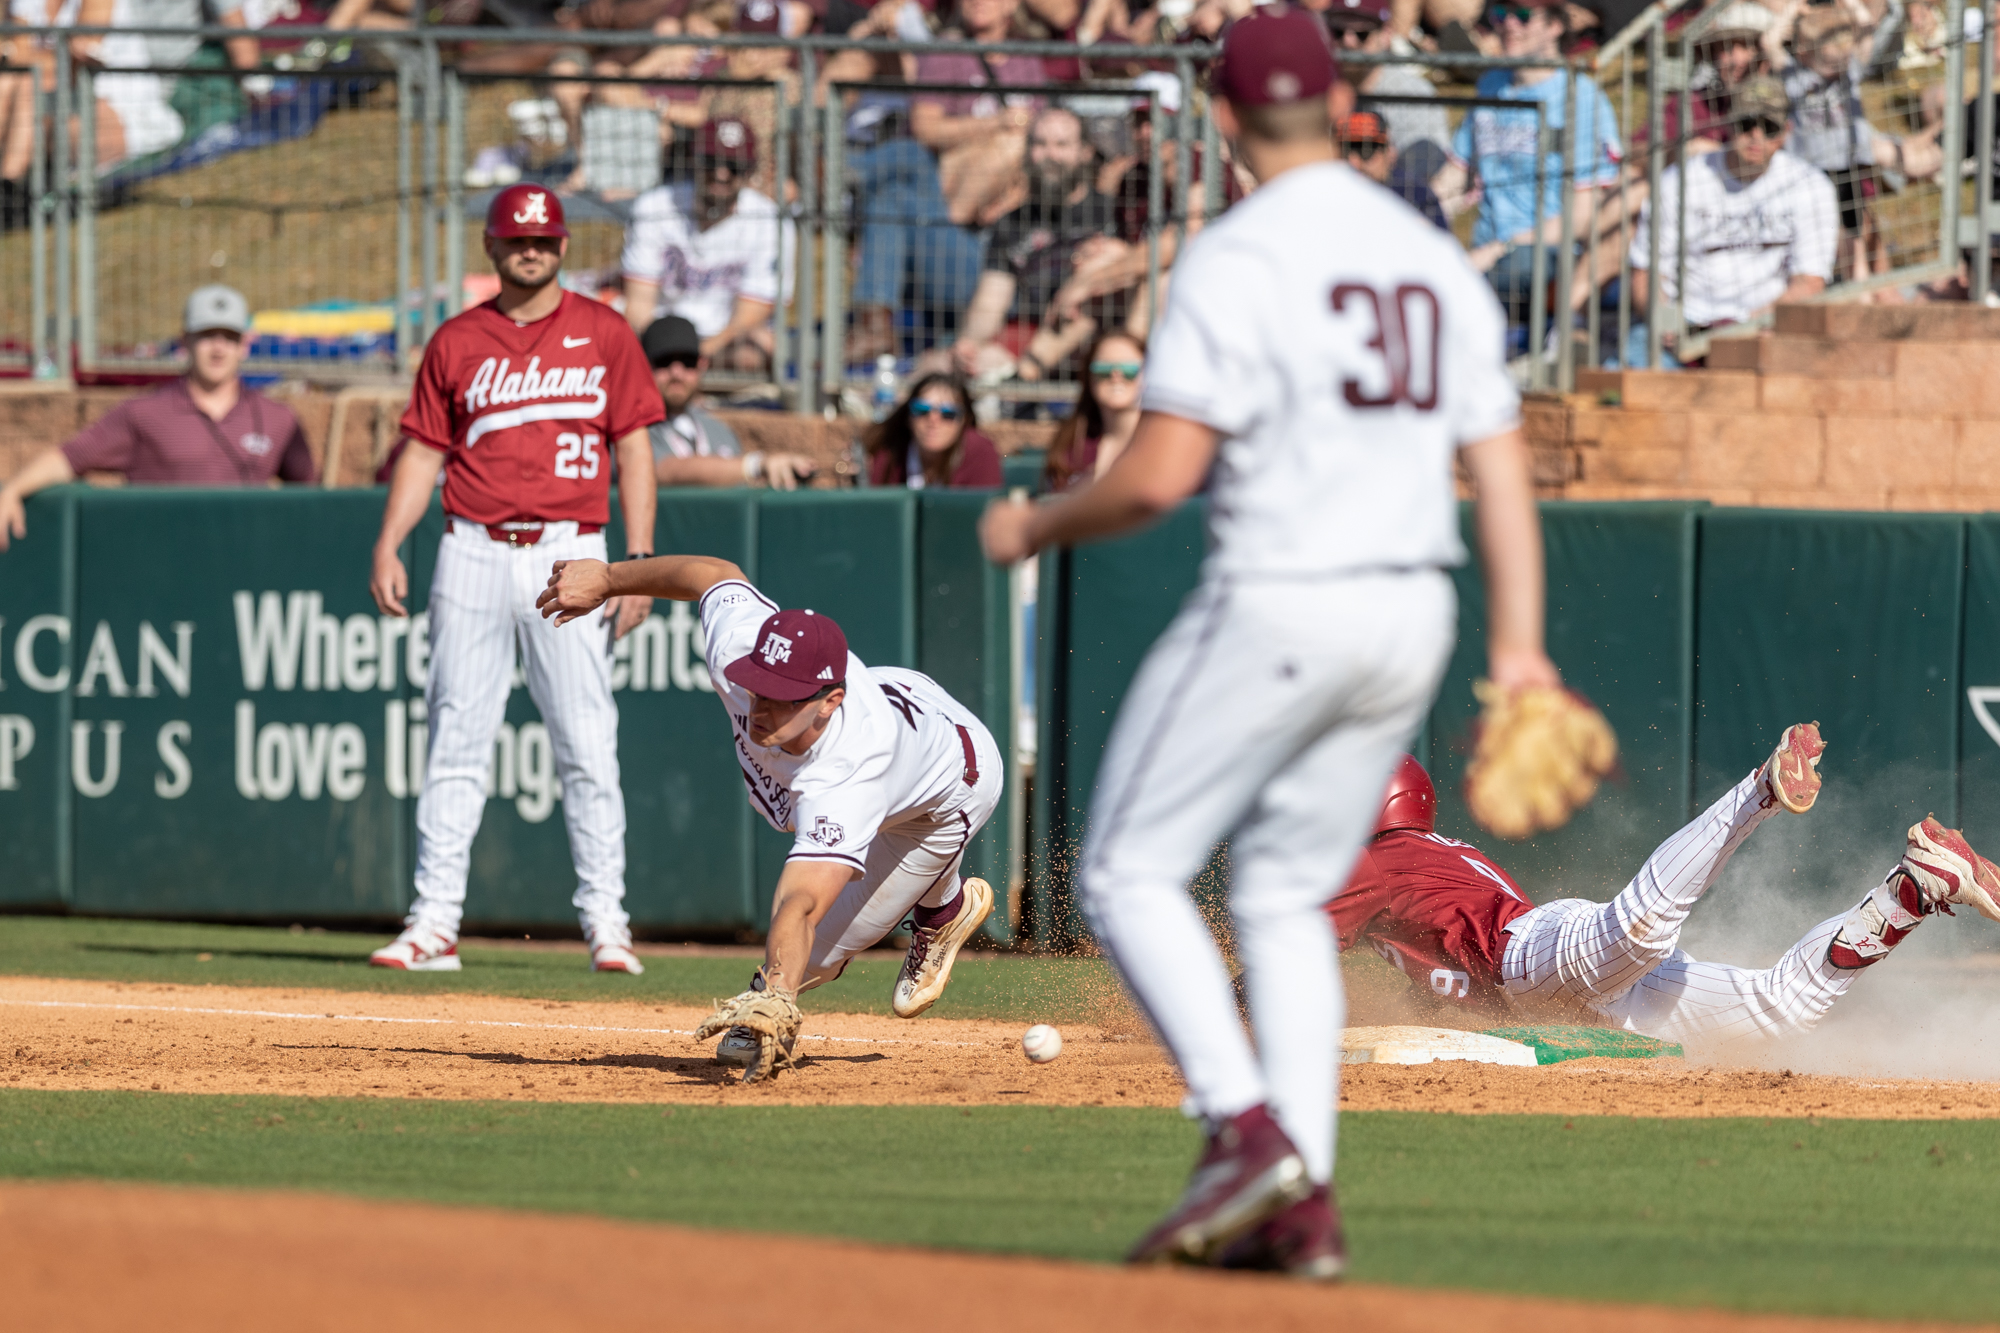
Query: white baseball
[[1041, 1043]]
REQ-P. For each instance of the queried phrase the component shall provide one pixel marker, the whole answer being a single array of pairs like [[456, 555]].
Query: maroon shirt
[[1435, 907], [978, 464], [163, 438], [956, 67]]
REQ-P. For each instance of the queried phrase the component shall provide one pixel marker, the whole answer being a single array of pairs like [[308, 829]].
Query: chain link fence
[[894, 215]]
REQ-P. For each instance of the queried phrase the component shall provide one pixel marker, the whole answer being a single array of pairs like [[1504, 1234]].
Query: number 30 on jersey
[[576, 456], [1401, 328]]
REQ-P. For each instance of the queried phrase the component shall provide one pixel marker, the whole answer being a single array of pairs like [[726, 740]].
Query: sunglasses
[[1104, 370], [1772, 127], [944, 413], [1365, 149], [1497, 14], [685, 360]]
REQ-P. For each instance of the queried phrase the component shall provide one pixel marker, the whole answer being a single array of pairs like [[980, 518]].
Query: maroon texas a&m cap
[[797, 654], [1276, 53]]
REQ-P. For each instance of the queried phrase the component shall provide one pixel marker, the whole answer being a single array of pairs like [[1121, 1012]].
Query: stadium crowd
[[1001, 208]]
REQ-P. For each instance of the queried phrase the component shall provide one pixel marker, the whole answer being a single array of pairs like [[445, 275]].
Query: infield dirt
[[69, 1035]]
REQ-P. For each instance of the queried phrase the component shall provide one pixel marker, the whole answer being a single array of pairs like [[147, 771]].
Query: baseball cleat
[[1879, 922], [615, 958], [1304, 1240], [1249, 1171], [933, 949], [1948, 871], [418, 949], [1792, 771]]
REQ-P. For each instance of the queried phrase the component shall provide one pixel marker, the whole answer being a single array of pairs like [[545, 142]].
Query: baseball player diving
[[520, 402], [881, 776], [1326, 355], [1459, 928]]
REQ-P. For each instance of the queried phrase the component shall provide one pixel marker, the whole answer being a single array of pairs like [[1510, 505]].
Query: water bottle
[[883, 402]]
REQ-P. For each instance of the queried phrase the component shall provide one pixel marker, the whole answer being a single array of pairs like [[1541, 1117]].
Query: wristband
[[753, 465], [638, 555]]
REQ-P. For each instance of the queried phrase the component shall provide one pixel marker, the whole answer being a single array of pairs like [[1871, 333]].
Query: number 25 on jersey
[[570, 448], [1401, 329]]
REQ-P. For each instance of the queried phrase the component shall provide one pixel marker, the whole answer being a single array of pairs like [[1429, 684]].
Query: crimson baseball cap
[[525, 210], [727, 139], [1361, 127], [1275, 54], [797, 654]]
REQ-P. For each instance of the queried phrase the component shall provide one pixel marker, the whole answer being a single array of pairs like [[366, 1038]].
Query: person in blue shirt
[[1497, 147]]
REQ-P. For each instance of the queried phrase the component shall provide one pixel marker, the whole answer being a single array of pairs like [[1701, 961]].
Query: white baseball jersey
[[1344, 348], [898, 745], [1745, 243], [701, 273]]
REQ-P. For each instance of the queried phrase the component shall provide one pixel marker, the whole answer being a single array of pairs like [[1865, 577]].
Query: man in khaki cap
[[203, 429], [1762, 225]]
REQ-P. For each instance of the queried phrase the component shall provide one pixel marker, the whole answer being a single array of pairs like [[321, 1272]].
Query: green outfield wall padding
[[1100, 609], [1979, 695], [270, 728], [964, 643], [37, 656], [1555, 1044], [1621, 628]]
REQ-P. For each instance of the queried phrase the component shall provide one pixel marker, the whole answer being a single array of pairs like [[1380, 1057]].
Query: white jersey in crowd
[[1745, 243], [897, 746], [701, 273], [1344, 348]]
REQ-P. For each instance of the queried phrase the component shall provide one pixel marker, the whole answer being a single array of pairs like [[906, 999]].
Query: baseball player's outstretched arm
[[1164, 465], [578, 587], [410, 489], [1510, 555]]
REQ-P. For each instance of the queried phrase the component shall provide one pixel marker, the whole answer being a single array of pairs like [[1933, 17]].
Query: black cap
[[669, 338]]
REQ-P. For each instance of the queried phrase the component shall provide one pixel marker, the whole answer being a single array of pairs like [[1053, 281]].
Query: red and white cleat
[[613, 957], [1304, 1240], [418, 949], [1249, 1172], [1948, 871], [1792, 771], [1879, 922]]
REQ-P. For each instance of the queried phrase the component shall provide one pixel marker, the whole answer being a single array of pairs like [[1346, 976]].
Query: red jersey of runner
[[528, 414], [1436, 908]]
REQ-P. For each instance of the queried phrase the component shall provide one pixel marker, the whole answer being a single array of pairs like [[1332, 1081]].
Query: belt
[[971, 758], [516, 534]]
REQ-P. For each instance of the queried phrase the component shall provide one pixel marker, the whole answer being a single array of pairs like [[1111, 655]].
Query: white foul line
[[449, 1022]]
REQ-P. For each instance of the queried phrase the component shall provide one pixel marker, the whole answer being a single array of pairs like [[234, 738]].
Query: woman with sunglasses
[[929, 440], [1107, 412]]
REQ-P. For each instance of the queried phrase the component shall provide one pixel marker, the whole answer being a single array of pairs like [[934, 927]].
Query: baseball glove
[[1539, 754], [771, 1016]]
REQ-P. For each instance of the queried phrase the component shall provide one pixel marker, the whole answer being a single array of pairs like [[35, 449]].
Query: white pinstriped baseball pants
[[482, 611], [1270, 713], [912, 862], [1621, 960]]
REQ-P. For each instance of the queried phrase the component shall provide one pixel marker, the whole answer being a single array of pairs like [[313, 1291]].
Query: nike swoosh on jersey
[[519, 416], [574, 342]]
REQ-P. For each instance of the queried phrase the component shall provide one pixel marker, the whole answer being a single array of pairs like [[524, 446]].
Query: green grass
[[1866, 1218], [1047, 990]]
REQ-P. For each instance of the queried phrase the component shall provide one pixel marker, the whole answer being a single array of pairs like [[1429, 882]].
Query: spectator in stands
[[1106, 414], [711, 250], [693, 447], [929, 440], [1364, 143], [1833, 132], [923, 200], [1031, 255], [1419, 132], [204, 429], [1728, 44], [1499, 147], [1762, 224]]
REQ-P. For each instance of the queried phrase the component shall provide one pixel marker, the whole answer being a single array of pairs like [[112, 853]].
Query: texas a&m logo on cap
[[795, 655]]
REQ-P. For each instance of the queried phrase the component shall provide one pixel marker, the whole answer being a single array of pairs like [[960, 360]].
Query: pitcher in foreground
[[883, 777]]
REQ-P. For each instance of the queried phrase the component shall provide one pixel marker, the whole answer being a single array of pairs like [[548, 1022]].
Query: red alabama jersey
[[1436, 908], [528, 414]]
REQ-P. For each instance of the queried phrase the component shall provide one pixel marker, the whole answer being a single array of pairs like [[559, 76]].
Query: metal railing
[[352, 259]]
